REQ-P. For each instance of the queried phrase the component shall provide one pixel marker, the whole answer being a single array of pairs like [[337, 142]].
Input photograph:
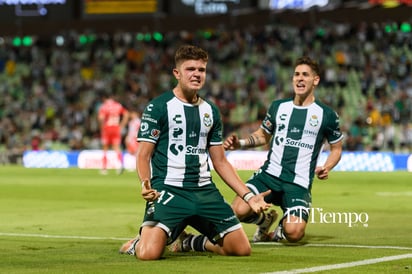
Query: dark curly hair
[[190, 52], [305, 60]]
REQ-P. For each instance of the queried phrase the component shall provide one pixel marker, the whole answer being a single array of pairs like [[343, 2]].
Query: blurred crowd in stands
[[49, 93]]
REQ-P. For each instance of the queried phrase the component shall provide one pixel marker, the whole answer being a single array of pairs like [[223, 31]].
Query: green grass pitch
[[74, 221]]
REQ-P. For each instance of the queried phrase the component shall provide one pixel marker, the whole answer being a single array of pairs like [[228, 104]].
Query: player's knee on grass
[[234, 243], [294, 235], [147, 253], [294, 228], [236, 249], [151, 244]]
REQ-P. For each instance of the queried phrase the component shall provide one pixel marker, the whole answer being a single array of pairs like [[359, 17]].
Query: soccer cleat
[[277, 235], [262, 232], [182, 243], [129, 247]]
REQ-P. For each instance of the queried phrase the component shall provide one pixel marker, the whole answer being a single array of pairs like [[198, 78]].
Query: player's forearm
[[143, 167], [143, 170], [229, 175], [143, 159], [253, 140], [333, 158]]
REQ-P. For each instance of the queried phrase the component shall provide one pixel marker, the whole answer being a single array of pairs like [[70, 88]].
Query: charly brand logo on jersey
[[281, 126], [313, 121], [207, 120], [177, 119], [149, 107], [192, 134]]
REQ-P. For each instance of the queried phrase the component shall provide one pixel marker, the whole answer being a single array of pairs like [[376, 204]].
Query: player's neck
[[304, 101], [187, 97]]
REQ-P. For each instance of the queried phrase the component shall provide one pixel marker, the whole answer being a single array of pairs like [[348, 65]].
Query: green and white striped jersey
[[299, 134], [182, 133]]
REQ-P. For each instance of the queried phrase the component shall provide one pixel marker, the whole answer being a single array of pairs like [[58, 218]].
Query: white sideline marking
[[344, 265], [63, 237], [339, 245]]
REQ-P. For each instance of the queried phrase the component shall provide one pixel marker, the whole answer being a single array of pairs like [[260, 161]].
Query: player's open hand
[[148, 193], [257, 203]]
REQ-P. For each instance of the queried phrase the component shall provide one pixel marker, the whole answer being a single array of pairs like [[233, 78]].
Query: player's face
[[191, 74], [304, 80]]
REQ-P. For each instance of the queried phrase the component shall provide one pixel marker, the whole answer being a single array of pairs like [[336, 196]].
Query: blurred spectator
[[355, 139], [132, 130]]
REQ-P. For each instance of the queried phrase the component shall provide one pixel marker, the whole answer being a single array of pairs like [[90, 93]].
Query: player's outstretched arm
[[258, 138], [143, 169], [322, 172], [229, 175], [257, 202]]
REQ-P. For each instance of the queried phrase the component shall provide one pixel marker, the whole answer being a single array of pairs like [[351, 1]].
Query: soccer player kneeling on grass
[[296, 129], [179, 131]]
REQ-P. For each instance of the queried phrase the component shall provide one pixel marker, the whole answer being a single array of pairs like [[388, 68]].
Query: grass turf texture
[[74, 221]]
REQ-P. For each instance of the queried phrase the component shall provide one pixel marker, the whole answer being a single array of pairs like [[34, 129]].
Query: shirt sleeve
[[333, 132], [269, 122], [216, 134], [151, 121]]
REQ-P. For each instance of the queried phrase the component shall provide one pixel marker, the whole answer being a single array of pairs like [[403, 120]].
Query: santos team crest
[[207, 121], [314, 121]]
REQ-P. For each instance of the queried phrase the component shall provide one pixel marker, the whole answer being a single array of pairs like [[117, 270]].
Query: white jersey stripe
[[175, 174]]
